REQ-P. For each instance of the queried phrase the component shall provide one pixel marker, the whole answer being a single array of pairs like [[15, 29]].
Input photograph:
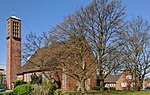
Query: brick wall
[[13, 55]]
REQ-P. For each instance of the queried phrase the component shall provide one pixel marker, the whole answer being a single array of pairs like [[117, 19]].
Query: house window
[[87, 83], [30, 76], [65, 79], [25, 77], [107, 85], [123, 84]]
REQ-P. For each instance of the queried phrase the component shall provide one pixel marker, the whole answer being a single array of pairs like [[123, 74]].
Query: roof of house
[[111, 78], [3, 66], [1, 69], [49, 56]]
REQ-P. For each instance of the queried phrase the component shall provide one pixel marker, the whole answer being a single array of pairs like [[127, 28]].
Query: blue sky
[[38, 15]]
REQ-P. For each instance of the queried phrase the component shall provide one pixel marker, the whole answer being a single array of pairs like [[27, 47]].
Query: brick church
[[13, 54], [15, 71]]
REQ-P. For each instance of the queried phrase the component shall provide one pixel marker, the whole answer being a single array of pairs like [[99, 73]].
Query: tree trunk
[[101, 78], [82, 86], [58, 83], [136, 79], [140, 84]]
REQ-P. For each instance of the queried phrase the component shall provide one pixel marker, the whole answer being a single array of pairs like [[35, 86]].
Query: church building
[[14, 71], [13, 53]]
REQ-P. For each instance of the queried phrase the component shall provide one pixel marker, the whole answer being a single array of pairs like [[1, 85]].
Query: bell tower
[[13, 53]]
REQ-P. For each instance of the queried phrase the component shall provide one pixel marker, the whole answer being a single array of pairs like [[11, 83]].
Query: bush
[[58, 92], [43, 89], [105, 89], [97, 87], [2, 87], [1, 93], [76, 93], [35, 79], [72, 93], [7, 93], [52, 88], [112, 88], [19, 82], [24, 89], [39, 89]]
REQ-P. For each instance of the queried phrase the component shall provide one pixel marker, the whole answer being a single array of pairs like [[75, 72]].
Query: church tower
[[13, 55]]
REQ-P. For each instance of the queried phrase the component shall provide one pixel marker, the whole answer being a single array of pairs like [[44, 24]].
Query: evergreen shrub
[[24, 89]]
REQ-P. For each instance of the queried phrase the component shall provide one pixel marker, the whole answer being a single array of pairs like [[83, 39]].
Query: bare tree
[[146, 82], [32, 44], [77, 58], [78, 54], [98, 22], [78, 61], [38, 54], [73, 55], [136, 39], [104, 20]]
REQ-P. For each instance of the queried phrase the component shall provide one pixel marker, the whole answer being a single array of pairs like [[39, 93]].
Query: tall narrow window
[[15, 29], [8, 29], [64, 77]]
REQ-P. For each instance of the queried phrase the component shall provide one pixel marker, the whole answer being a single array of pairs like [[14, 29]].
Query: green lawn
[[104, 93], [111, 93], [133, 93], [124, 93]]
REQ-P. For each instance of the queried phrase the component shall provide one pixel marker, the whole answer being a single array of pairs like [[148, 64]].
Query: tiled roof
[[47, 53], [111, 78], [33, 64], [3, 66]]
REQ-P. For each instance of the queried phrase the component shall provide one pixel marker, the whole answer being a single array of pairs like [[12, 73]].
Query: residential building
[[125, 81], [3, 75], [146, 82], [111, 80]]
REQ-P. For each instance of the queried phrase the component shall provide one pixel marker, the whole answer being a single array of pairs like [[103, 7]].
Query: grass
[[100, 93], [123, 93], [113, 93], [131, 93]]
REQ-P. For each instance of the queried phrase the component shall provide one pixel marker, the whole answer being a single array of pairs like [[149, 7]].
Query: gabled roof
[[33, 63], [111, 78], [50, 53]]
